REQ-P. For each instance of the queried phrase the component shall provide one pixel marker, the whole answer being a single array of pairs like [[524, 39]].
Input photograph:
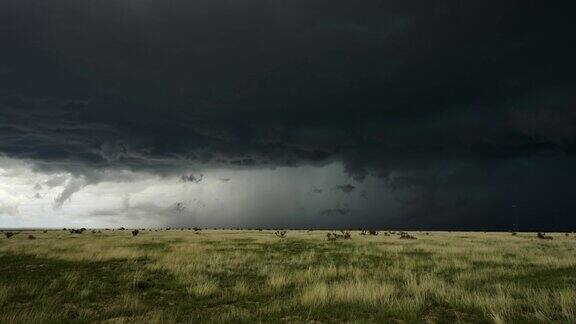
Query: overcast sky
[[275, 113]]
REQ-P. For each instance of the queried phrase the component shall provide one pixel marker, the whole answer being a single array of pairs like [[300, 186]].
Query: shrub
[[543, 236], [406, 236], [8, 234], [135, 232], [335, 236], [31, 237], [280, 233]]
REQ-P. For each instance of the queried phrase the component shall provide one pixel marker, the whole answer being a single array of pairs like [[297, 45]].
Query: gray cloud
[[347, 188], [11, 209], [334, 211], [192, 178], [55, 181]]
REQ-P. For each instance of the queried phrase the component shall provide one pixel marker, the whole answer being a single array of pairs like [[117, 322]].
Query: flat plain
[[168, 276]]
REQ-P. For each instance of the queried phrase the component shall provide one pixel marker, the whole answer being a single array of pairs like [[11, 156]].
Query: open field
[[247, 276]]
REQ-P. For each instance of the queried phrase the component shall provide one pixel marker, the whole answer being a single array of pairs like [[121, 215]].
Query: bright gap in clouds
[[305, 196]]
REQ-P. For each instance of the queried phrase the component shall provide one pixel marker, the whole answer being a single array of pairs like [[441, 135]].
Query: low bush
[[543, 236], [335, 236], [406, 236]]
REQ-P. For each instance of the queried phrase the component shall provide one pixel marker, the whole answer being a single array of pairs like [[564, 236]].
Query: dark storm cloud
[[437, 97], [334, 211], [347, 188]]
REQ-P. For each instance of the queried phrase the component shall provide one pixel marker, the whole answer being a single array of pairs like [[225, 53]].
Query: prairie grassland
[[247, 276]]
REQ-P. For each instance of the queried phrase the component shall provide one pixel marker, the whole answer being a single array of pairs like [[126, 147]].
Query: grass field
[[247, 276]]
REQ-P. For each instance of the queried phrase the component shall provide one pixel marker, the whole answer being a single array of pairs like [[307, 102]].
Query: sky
[[294, 114]]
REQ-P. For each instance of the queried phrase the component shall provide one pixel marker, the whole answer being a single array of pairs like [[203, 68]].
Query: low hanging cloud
[[192, 178], [72, 186], [179, 207], [347, 188], [54, 182]]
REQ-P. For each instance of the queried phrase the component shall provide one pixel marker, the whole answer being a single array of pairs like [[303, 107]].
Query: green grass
[[248, 276]]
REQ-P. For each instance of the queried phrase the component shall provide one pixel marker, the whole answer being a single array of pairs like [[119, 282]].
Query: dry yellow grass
[[203, 288], [347, 292]]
